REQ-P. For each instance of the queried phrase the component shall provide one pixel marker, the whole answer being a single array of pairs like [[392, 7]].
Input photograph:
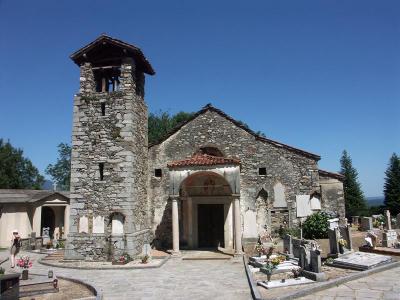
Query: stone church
[[212, 182]]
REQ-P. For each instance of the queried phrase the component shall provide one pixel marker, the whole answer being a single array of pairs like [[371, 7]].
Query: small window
[[101, 171], [157, 172], [262, 171], [103, 109]]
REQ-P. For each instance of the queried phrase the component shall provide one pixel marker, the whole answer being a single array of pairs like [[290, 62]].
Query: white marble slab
[[361, 260], [288, 282]]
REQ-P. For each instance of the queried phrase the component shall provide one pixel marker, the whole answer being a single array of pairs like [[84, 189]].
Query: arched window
[[210, 151]]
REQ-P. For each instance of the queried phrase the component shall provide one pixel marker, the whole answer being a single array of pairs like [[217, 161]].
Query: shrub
[[316, 226], [293, 231]]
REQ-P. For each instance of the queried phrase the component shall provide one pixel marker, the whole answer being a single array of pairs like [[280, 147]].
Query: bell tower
[[109, 213]]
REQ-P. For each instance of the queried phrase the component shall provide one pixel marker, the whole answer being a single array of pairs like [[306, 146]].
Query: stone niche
[[117, 224]]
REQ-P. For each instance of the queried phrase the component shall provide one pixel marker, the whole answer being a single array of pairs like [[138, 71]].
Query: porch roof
[[26, 196], [203, 160]]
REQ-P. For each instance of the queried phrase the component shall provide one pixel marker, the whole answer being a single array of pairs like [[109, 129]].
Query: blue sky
[[319, 75]]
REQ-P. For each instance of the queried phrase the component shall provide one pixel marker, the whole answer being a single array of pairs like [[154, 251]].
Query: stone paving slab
[[177, 279], [379, 286]]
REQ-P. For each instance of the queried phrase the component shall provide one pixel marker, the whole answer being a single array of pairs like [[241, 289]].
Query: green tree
[[161, 123], [392, 185], [353, 195], [16, 171], [60, 172]]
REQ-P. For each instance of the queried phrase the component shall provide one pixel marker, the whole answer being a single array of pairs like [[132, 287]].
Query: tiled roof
[[331, 175], [209, 107], [24, 196], [204, 160], [79, 56]]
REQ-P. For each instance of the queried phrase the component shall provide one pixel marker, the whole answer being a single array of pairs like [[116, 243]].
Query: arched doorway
[[206, 211], [48, 219]]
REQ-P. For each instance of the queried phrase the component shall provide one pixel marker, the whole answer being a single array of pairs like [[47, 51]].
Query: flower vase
[[269, 277], [24, 274], [341, 249]]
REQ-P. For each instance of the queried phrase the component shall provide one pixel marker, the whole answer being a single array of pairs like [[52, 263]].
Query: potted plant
[[145, 259], [342, 243], [25, 263], [49, 245], [296, 273], [123, 259], [270, 251], [268, 268]]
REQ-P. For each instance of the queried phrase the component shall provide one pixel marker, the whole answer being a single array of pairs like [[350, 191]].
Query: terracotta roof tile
[[203, 160]]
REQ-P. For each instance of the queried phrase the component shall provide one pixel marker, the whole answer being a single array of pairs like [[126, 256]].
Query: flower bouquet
[[260, 249], [342, 243], [123, 259], [25, 263]]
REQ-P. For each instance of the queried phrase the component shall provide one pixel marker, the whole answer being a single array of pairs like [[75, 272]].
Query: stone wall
[[119, 141], [332, 196], [297, 173]]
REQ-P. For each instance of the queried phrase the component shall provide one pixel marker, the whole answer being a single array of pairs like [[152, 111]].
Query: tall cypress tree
[[392, 185], [353, 195]]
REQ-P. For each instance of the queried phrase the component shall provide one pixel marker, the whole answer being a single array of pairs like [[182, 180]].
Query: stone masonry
[[123, 192], [118, 141], [297, 172]]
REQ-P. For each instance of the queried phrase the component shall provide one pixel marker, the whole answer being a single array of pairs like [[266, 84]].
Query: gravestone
[[304, 259], [345, 233], [315, 259], [32, 241], [388, 220], [288, 245], [354, 220], [366, 223], [98, 224], [361, 261], [46, 235], [334, 236], [389, 238], [146, 250], [83, 225], [398, 220]]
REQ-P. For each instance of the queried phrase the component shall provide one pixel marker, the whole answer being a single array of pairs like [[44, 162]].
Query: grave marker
[[366, 223], [388, 220]]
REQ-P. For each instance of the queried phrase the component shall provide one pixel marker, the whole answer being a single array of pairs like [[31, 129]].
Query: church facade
[[210, 183]]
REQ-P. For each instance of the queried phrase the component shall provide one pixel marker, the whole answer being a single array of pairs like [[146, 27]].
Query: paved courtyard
[[383, 285], [177, 279]]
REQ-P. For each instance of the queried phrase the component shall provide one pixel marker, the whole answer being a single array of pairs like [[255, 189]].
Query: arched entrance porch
[[206, 211], [205, 208]]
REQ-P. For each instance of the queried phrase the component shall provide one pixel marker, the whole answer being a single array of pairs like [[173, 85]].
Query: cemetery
[[277, 267]]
